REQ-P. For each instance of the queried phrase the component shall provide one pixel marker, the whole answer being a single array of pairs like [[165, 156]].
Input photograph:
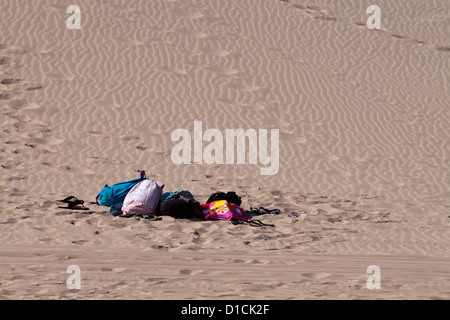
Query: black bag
[[181, 206], [230, 197]]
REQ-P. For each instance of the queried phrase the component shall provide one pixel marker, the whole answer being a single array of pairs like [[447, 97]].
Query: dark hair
[[230, 197]]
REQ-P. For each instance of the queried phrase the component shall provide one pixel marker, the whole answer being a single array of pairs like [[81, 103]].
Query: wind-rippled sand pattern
[[364, 145]]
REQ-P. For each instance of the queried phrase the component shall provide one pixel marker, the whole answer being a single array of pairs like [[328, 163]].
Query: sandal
[[140, 216], [69, 199], [73, 203], [253, 223], [263, 210], [149, 217], [76, 205]]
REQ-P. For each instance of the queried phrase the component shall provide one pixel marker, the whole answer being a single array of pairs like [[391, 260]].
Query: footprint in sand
[[315, 12], [114, 135], [316, 275], [104, 160], [363, 25], [185, 271], [10, 81], [38, 87], [439, 48], [80, 242], [5, 61], [79, 170], [151, 150], [6, 96], [12, 164], [190, 272], [12, 49], [257, 261]]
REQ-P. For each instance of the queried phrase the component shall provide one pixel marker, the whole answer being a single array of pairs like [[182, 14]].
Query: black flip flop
[[253, 223], [76, 207], [263, 210], [73, 204], [69, 199]]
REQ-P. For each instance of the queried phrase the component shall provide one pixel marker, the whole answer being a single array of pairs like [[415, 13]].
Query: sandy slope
[[364, 147]]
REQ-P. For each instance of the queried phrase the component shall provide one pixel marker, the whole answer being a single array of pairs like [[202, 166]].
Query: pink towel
[[223, 210]]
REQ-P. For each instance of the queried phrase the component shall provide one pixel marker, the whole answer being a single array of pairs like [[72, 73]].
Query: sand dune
[[364, 141]]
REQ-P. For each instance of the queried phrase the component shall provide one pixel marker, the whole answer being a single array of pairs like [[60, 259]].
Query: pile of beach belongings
[[143, 196]]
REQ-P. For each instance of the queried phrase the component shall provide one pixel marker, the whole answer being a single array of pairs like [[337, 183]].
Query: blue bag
[[116, 193], [116, 209]]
